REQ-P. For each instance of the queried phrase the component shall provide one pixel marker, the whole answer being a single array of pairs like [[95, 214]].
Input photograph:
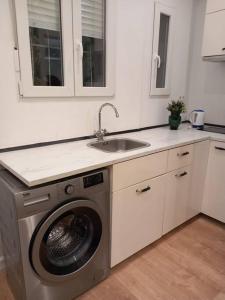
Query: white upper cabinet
[[215, 5], [213, 47], [214, 34], [65, 47], [162, 50]]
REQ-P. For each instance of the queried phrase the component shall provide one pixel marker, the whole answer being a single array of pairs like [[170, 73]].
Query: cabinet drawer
[[137, 217], [137, 170], [180, 157]]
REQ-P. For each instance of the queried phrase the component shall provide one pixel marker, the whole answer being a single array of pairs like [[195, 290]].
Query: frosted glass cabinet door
[[45, 47]]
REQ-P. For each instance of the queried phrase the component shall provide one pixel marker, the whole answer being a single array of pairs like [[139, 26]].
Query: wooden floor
[[188, 263]]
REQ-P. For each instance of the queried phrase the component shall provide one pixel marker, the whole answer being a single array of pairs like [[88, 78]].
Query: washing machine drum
[[66, 240]]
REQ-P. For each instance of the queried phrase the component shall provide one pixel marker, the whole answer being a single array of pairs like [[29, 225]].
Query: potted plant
[[176, 108]]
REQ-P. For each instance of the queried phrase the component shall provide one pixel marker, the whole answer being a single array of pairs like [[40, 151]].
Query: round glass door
[[67, 243]]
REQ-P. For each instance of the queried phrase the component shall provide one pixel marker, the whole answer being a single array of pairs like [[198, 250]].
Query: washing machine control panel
[[92, 180]]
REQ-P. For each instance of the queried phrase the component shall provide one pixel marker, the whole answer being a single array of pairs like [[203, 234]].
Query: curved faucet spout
[[101, 132]]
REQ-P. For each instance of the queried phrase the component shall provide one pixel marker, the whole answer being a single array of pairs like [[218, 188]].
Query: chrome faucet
[[101, 132]]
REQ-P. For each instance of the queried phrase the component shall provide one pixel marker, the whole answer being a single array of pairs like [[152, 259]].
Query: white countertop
[[44, 164]]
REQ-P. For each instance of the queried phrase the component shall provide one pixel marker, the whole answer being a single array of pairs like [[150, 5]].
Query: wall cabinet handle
[[181, 175], [183, 154], [219, 148], [139, 191]]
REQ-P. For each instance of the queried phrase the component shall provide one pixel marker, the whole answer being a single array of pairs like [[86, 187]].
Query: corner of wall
[[191, 39]]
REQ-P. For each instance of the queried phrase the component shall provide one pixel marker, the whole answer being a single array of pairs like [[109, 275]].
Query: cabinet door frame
[[161, 8], [28, 89]]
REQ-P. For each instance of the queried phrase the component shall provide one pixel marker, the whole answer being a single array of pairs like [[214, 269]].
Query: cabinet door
[[137, 216], [199, 169], [177, 198], [214, 197], [214, 34]]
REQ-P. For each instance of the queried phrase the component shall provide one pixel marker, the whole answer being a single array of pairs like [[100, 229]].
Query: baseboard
[[2, 263]]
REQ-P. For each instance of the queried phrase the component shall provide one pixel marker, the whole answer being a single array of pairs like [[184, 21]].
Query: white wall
[[154, 108], [206, 88], [32, 121]]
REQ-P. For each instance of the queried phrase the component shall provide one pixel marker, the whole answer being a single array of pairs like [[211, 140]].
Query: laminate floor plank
[[186, 264]]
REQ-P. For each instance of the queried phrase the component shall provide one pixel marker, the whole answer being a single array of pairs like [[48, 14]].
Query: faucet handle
[[100, 134]]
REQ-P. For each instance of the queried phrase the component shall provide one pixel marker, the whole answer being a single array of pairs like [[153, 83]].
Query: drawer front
[[180, 157], [137, 217], [137, 170]]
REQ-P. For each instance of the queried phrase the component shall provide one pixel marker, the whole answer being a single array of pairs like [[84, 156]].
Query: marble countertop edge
[[37, 166]]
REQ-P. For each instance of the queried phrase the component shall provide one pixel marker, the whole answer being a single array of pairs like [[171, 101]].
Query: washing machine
[[55, 237]]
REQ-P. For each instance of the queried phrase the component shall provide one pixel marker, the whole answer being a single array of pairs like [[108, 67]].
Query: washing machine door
[[66, 240]]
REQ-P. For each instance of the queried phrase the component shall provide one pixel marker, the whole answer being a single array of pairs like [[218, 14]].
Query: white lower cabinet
[[143, 212], [214, 196], [137, 217], [198, 176], [177, 198]]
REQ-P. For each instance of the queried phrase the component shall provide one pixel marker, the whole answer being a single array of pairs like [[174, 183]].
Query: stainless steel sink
[[118, 145]]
